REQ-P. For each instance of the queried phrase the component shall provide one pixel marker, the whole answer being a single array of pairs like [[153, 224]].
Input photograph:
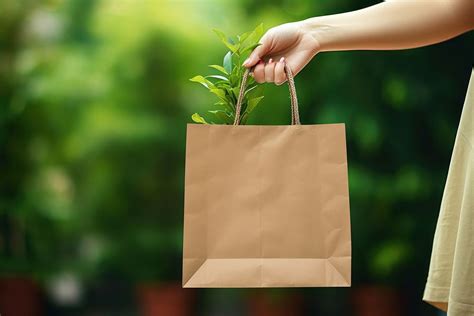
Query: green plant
[[226, 85]]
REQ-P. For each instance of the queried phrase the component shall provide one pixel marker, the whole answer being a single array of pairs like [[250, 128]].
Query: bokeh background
[[94, 102]]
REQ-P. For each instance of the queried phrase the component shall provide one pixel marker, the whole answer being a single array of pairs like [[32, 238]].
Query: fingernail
[[282, 59], [246, 62]]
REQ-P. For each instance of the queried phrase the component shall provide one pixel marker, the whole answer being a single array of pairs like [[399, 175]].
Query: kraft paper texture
[[266, 206]]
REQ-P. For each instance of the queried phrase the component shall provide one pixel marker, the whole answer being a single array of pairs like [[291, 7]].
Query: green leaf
[[198, 119], [258, 31], [227, 63], [220, 68], [244, 118], [220, 93], [222, 84], [220, 34], [256, 34], [243, 37], [250, 89], [200, 79], [250, 48], [218, 77], [236, 91], [223, 116], [255, 91], [226, 84], [252, 104], [224, 40], [251, 82], [226, 106], [235, 78]]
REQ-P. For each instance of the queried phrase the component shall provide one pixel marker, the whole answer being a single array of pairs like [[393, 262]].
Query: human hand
[[290, 43]]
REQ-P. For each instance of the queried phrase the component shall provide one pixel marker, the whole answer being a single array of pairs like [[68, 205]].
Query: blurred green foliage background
[[94, 101]]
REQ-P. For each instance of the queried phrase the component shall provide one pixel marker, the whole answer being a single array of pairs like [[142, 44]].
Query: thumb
[[258, 52]]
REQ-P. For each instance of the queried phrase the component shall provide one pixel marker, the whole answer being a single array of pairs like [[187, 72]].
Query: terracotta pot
[[374, 300], [20, 296], [262, 304], [168, 299]]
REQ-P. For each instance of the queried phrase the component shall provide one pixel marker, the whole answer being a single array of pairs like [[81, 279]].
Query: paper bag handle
[[295, 116]]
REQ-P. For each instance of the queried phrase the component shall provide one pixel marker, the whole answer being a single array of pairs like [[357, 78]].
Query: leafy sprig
[[226, 84]]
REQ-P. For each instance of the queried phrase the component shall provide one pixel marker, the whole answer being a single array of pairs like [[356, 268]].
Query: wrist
[[319, 30]]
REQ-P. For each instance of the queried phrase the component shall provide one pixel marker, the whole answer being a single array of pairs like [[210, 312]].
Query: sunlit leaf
[[220, 93], [226, 86], [255, 91], [200, 79], [235, 92], [256, 34], [224, 40], [258, 31], [222, 116], [226, 105], [227, 63], [198, 119], [244, 36], [250, 48], [218, 77], [252, 104], [220, 68], [243, 119]]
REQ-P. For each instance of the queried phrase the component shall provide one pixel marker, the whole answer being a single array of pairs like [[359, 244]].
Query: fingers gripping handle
[[295, 116]]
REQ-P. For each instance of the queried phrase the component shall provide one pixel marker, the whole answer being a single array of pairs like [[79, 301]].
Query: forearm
[[397, 24]]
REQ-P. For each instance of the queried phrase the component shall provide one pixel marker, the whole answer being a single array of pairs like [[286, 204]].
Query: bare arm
[[395, 24]]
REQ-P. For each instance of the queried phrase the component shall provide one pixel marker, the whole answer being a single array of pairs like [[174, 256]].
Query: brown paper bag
[[266, 206]]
